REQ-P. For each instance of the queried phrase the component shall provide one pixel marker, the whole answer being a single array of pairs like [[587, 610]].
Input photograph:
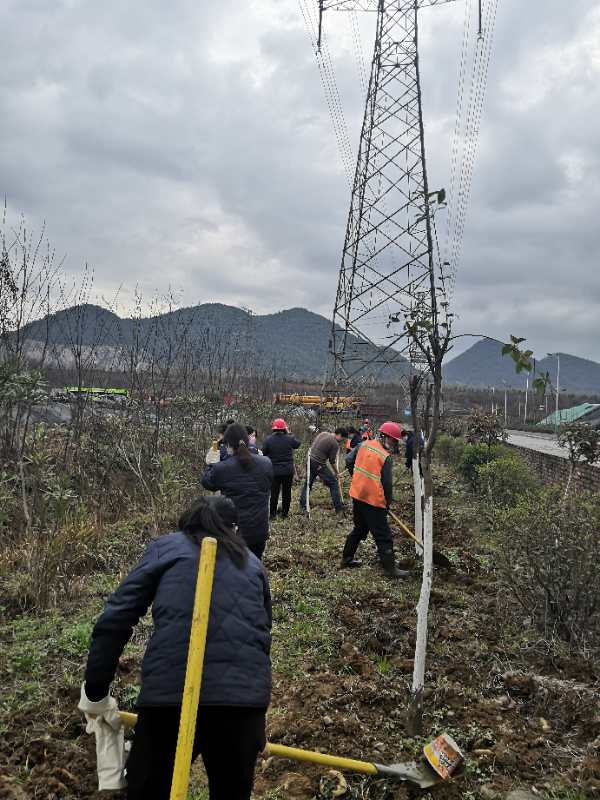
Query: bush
[[549, 559], [449, 449], [474, 456], [504, 479]]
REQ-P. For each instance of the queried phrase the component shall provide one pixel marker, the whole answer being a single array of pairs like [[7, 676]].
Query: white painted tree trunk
[[418, 684], [418, 489], [308, 482]]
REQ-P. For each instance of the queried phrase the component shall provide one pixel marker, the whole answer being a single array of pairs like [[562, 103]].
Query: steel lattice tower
[[387, 268]]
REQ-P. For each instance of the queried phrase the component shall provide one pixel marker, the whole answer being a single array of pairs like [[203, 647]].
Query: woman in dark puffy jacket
[[236, 682], [245, 478], [279, 447]]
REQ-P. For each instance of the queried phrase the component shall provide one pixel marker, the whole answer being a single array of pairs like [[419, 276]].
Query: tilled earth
[[526, 713]]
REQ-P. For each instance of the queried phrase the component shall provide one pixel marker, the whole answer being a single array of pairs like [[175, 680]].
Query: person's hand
[[94, 708]]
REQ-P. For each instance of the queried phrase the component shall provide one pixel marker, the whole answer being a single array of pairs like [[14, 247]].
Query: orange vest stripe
[[366, 481]]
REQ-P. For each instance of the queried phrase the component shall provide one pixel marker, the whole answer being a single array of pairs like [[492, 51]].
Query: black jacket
[[249, 489], [279, 447], [387, 474], [237, 667]]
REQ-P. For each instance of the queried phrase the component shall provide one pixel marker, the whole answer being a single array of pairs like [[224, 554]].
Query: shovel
[[410, 772], [439, 559]]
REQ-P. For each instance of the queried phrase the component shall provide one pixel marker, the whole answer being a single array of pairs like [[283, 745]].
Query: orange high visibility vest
[[366, 483]]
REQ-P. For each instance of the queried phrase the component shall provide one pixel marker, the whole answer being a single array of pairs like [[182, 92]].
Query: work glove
[[104, 722]]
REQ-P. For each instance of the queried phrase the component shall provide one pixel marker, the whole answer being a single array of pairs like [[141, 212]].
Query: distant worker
[[354, 438], [246, 479], [409, 444], [366, 430], [371, 490], [223, 455], [252, 446], [279, 447], [236, 682], [323, 464]]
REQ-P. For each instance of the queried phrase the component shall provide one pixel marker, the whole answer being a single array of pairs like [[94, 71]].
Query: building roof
[[573, 414]]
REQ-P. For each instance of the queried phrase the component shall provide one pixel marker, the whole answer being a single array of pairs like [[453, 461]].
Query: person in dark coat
[[223, 454], [236, 681], [279, 448], [246, 479], [355, 438]]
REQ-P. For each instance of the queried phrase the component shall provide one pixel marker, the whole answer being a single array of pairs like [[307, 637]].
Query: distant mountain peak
[[483, 365]]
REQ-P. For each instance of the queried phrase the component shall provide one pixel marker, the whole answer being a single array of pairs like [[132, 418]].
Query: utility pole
[[387, 268], [526, 398], [556, 415]]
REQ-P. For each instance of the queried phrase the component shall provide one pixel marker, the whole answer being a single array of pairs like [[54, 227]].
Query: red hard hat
[[391, 429], [279, 425]]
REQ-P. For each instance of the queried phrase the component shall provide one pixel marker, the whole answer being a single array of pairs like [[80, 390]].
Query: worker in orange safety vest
[[370, 465]]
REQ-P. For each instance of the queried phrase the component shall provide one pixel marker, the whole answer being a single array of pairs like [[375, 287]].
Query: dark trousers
[[323, 472], [281, 483], [228, 738], [258, 548], [369, 519]]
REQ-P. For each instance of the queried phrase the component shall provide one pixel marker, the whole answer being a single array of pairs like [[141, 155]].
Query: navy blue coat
[[249, 489], [237, 666], [279, 447]]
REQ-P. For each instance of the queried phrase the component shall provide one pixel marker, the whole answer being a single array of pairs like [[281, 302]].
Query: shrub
[[449, 449], [504, 479], [473, 456], [549, 559]]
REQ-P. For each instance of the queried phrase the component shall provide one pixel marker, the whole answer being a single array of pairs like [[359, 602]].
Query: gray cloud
[[189, 146]]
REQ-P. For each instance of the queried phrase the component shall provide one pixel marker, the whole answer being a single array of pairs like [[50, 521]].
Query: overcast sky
[[188, 146]]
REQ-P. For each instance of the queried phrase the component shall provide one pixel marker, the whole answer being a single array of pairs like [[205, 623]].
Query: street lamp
[[557, 355]]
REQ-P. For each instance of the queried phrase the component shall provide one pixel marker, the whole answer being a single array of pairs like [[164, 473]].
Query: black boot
[[350, 548], [388, 562]]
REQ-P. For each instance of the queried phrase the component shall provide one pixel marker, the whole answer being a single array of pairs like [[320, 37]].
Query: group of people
[[236, 685]]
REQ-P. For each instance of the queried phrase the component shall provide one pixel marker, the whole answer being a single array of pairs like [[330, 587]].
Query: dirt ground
[[525, 711]]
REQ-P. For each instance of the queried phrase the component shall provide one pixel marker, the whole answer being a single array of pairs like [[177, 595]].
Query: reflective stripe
[[368, 474], [366, 483], [372, 449]]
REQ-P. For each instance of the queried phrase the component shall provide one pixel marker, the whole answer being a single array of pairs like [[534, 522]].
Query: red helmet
[[391, 429], [279, 425]]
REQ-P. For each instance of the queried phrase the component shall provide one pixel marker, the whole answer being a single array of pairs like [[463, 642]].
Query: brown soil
[[483, 661]]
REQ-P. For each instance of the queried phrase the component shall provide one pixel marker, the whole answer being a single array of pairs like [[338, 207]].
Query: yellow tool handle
[[351, 764], [193, 673], [406, 530], [364, 767]]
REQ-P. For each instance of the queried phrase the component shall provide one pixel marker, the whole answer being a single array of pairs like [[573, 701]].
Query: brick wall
[[553, 469]]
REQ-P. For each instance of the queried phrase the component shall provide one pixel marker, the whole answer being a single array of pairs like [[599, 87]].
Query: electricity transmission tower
[[387, 273]]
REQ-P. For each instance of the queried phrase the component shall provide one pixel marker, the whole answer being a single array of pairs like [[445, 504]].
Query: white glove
[[104, 721], [212, 457]]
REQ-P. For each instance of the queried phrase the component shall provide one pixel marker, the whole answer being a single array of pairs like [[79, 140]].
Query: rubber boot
[[350, 548], [388, 562]]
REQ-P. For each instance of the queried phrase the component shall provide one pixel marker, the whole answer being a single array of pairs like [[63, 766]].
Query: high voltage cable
[[466, 131], [476, 124], [480, 99], [332, 96]]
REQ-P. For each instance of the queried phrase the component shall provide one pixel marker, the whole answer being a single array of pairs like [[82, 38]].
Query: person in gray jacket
[[236, 682]]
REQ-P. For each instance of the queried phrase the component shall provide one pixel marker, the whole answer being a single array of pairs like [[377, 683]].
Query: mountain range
[[294, 343], [483, 365]]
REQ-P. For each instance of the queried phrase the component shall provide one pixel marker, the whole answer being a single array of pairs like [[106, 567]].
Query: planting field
[[525, 709]]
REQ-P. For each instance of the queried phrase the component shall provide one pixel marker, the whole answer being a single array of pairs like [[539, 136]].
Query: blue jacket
[[237, 666], [279, 447], [249, 489]]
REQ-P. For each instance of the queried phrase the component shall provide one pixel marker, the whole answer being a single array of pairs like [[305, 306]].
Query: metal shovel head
[[409, 771]]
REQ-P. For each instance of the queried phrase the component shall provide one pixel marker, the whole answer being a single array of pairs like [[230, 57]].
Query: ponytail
[[215, 516], [237, 438]]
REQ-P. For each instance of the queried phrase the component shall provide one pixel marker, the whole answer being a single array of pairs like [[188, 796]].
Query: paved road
[[542, 442]]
